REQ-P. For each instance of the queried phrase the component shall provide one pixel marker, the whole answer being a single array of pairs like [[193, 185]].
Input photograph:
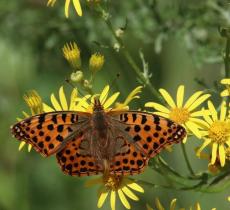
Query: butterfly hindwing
[[150, 133], [75, 158], [128, 160], [47, 132]]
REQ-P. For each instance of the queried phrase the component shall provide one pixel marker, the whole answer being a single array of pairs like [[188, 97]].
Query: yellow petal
[[77, 7], [185, 139], [47, 108], [214, 151], [223, 111], [212, 110], [158, 204], [225, 81], [173, 204], [51, 3], [135, 187], [110, 100], [55, 103], [29, 147], [180, 96], [129, 193], [229, 198], [225, 93], [200, 113], [62, 99], [167, 98], [123, 199], [113, 200], [162, 114], [198, 102], [104, 94], [21, 145], [67, 3], [199, 122], [192, 99], [208, 119], [82, 105], [25, 114], [197, 206], [222, 155], [103, 193], [73, 98], [205, 144], [148, 207], [157, 106], [193, 128], [133, 95]]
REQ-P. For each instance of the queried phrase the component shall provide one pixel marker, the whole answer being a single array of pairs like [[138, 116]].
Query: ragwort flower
[[216, 133], [159, 206], [34, 102], [225, 82], [112, 185], [107, 102], [71, 53], [96, 62], [182, 113], [76, 4], [75, 103]]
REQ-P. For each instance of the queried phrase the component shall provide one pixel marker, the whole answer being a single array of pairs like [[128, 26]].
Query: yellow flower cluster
[[203, 123]]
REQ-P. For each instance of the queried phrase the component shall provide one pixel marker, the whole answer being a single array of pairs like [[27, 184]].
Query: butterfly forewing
[[48, 132], [150, 133]]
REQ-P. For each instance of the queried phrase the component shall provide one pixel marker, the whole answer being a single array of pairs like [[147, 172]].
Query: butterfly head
[[97, 105]]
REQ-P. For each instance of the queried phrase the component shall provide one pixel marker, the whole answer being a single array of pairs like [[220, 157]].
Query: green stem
[[186, 159], [227, 58], [133, 64]]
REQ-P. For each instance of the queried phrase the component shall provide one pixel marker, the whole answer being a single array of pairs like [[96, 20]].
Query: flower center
[[219, 131], [112, 182], [179, 115]]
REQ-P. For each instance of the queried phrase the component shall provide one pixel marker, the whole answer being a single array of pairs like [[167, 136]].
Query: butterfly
[[114, 142]]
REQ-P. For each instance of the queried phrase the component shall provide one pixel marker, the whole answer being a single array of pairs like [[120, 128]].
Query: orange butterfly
[[115, 142]]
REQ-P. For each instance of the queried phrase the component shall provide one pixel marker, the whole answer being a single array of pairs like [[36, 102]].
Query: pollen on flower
[[71, 53], [179, 115], [112, 182], [219, 131]]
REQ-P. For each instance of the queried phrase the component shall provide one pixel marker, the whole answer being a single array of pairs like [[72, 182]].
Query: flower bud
[[77, 76], [96, 62]]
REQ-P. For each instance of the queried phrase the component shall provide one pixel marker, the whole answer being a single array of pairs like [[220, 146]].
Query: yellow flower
[[182, 114], [225, 82], [75, 103], [71, 53], [216, 133], [159, 206], [130, 97], [96, 62], [34, 102], [76, 4], [112, 185], [107, 102]]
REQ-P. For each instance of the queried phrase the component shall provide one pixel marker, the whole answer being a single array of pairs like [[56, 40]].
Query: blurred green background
[[182, 45]]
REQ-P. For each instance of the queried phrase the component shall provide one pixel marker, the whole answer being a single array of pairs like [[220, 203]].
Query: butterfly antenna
[[112, 84], [80, 93]]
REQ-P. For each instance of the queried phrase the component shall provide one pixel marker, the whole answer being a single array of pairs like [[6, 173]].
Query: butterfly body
[[99, 142]]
